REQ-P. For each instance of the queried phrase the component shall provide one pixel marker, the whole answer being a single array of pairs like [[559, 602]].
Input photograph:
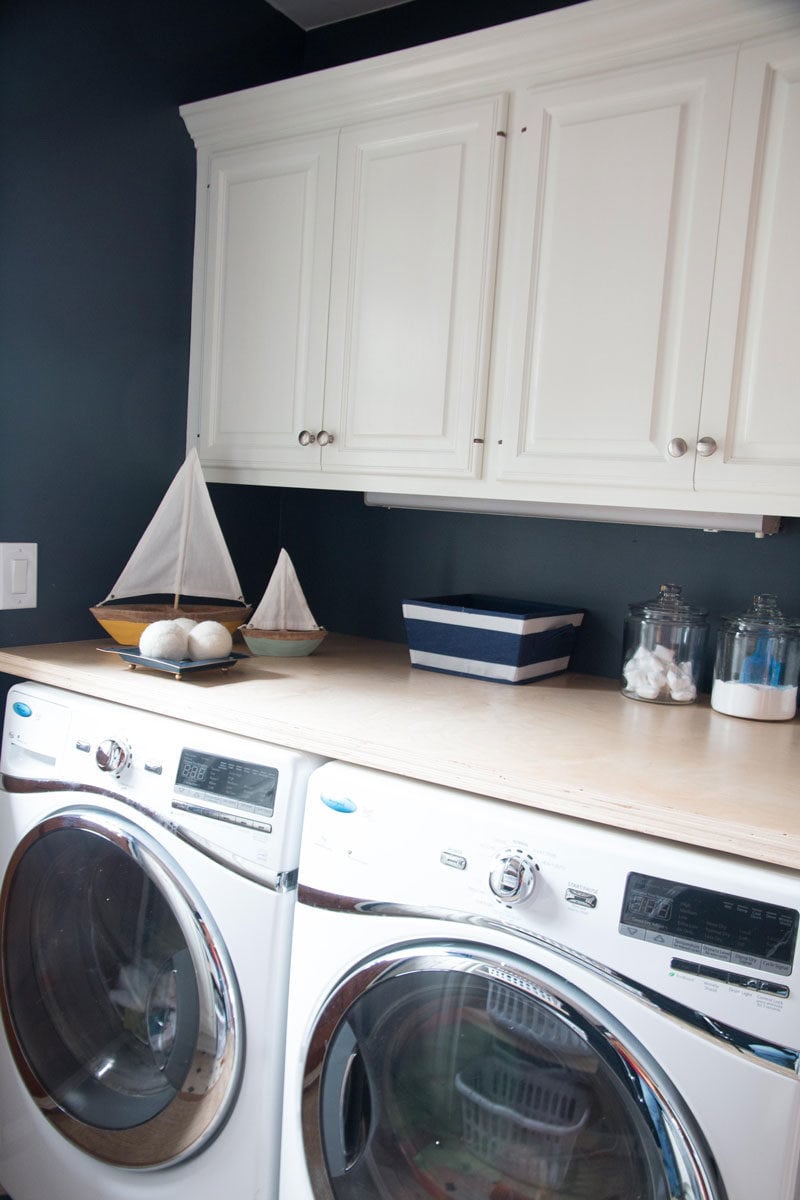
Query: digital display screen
[[245, 786], [741, 929]]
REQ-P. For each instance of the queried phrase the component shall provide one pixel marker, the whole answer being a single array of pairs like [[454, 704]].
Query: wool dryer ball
[[186, 623], [164, 639], [209, 639]]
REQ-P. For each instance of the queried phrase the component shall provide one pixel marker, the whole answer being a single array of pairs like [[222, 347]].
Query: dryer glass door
[[115, 996], [453, 1076]]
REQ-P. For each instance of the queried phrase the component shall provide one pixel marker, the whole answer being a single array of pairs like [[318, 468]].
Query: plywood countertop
[[572, 744]]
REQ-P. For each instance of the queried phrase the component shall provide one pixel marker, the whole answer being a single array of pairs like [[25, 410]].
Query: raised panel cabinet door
[[415, 243], [265, 275], [610, 225], [751, 399]]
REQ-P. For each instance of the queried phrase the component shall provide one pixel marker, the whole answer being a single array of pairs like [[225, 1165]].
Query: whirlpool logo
[[339, 804]]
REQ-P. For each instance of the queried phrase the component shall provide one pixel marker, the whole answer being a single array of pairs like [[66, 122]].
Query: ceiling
[[310, 14]]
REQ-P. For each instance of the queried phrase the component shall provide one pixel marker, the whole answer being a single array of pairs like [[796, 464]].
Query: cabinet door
[[413, 278], [262, 275], [613, 200], [751, 400]]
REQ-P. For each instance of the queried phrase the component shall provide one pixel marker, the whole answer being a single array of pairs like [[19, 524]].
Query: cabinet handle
[[677, 448], [324, 438], [706, 447], [306, 438]]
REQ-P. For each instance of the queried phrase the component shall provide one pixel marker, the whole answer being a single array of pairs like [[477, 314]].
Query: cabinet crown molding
[[595, 35]]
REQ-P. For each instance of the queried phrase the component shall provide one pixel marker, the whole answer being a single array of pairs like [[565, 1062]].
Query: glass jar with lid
[[757, 663], [663, 651]]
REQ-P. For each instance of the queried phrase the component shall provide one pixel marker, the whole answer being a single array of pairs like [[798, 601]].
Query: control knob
[[512, 877], [113, 756]]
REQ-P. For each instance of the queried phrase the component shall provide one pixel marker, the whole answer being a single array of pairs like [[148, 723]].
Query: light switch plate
[[18, 562]]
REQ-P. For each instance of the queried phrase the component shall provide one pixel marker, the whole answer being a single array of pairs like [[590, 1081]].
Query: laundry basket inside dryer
[[521, 1118], [523, 1014]]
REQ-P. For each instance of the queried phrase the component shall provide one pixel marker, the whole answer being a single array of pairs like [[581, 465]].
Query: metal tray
[[172, 666]]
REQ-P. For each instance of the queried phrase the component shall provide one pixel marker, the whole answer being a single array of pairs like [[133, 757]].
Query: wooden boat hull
[[282, 643], [126, 623]]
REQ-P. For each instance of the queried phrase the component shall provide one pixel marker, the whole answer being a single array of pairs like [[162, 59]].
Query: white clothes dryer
[[148, 872], [490, 1002]]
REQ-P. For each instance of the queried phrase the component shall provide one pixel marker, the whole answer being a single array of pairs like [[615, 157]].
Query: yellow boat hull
[[126, 624]]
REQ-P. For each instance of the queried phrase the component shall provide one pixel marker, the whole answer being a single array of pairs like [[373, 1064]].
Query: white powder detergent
[[759, 701]]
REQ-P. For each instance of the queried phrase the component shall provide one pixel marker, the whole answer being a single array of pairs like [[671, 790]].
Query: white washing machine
[[488, 1002], [148, 874]]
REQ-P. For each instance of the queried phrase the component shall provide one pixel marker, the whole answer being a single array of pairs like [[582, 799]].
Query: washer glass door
[[116, 999], [439, 1072]]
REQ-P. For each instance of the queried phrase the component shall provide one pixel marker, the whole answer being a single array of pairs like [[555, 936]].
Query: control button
[[215, 814], [513, 876], [113, 757], [749, 982], [744, 960], [774, 968], [715, 952], [762, 985], [22, 709], [84, 747], [580, 898], [685, 944], [632, 931], [154, 768], [660, 939], [448, 858]]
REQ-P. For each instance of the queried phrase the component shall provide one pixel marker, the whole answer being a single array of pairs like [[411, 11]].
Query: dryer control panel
[[714, 932], [229, 789]]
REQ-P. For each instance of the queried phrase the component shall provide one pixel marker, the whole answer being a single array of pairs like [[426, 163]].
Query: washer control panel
[[240, 797]]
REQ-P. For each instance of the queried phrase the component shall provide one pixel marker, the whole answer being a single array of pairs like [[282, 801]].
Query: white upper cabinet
[[557, 260], [751, 396], [346, 284], [261, 301], [610, 231], [417, 207]]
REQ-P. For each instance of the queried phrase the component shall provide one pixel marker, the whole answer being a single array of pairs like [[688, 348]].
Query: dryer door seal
[[117, 995], [468, 1071]]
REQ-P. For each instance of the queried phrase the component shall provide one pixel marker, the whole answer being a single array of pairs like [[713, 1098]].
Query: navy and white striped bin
[[489, 637]]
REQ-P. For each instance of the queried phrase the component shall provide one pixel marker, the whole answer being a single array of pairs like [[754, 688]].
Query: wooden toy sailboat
[[283, 624], [181, 553]]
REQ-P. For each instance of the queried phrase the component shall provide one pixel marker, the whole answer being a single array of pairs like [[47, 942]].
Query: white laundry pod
[[663, 650]]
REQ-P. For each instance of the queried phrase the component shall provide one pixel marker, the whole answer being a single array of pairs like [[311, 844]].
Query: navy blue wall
[[357, 564], [96, 229]]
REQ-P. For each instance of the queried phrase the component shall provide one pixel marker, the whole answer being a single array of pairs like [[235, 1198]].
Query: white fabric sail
[[182, 551], [283, 605]]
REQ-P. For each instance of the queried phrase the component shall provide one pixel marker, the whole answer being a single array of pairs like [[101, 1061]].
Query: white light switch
[[18, 574]]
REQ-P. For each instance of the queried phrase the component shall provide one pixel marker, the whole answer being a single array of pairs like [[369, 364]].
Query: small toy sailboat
[[283, 624], [182, 552]]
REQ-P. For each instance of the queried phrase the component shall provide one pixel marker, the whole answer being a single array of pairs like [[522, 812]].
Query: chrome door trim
[[275, 881], [783, 1059], [690, 1170], [205, 1099]]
